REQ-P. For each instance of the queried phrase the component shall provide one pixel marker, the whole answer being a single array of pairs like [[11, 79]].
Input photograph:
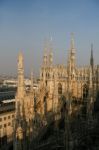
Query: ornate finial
[[72, 40], [20, 57], [45, 47], [20, 88], [92, 46], [50, 52], [45, 61], [51, 39], [20, 60], [20, 54], [31, 80], [91, 58], [50, 44], [91, 50]]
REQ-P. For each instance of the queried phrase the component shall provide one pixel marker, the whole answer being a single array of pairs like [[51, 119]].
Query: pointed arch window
[[85, 91], [59, 88]]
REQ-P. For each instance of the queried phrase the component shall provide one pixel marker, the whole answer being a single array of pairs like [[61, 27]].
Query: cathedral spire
[[71, 56], [20, 88], [45, 57], [31, 80], [50, 53], [72, 41], [72, 46], [91, 58], [91, 87], [19, 111]]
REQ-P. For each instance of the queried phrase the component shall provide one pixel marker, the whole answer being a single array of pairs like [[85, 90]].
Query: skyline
[[25, 25]]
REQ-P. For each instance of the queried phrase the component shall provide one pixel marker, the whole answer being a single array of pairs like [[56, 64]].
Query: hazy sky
[[25, 24]]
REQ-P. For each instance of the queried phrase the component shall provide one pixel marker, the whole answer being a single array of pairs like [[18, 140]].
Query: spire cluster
[[48, 54]]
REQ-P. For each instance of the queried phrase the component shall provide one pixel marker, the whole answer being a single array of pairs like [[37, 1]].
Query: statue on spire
[[72, 41], [31, 80], [71, 58], [50, 53], [45, 57], [21, 88]]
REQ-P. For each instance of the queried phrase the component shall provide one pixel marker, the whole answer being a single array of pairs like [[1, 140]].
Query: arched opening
[[85, 91], [48, 75], [59, 88]]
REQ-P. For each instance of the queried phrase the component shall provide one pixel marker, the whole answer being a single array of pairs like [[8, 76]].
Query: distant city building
[[10, 83], [13, 82], [7, 114], [6, 120]]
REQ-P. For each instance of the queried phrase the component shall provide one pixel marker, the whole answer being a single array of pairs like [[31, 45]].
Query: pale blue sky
[[25, 24]]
